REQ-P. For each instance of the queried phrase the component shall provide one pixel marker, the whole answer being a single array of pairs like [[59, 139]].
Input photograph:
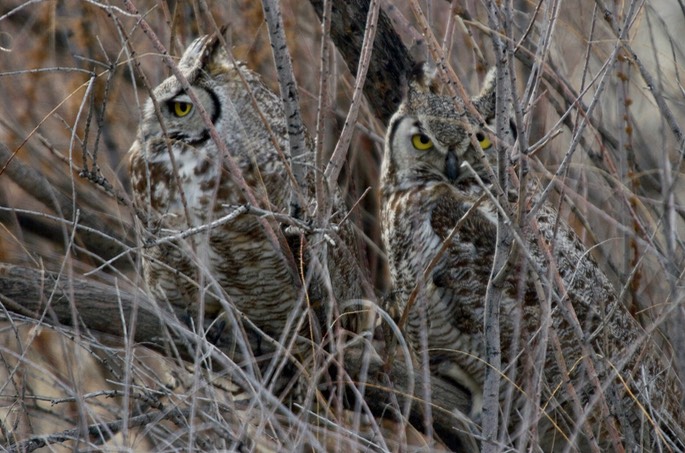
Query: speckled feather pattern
[[420, 207], [232, 266]]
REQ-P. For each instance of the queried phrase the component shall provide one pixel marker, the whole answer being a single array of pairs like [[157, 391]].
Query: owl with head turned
[[579, 371], [263, 289]]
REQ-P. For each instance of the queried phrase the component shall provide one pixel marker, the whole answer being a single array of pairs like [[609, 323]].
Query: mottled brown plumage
[[181, 180], [558, 310]]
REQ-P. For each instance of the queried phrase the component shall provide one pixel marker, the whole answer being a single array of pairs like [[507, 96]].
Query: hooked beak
[[451, 165]]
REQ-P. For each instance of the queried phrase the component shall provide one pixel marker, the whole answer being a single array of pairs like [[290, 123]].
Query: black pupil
[[480, 136], [424, 139]]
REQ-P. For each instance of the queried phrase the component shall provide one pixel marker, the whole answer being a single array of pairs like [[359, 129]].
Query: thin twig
[[621, 31], [96, 430], [341, 148], [40, 188], [501, 20], [322, 111], [196, 230]]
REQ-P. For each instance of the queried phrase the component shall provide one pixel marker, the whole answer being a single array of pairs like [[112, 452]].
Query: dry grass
[[603, 124]]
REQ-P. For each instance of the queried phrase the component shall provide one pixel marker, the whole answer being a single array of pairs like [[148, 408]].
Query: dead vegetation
[[88, 362]]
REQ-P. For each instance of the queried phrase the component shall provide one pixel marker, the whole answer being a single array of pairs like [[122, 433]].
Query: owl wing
[[583, 296], [461, 273]]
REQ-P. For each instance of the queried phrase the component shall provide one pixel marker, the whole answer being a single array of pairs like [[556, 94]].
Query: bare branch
[[323, 107], [290, 98], [40, 188], [340, 152], [501, 21]]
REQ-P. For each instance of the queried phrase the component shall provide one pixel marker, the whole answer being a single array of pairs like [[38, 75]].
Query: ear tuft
[[214, 57], [423, 78], [485, 101]]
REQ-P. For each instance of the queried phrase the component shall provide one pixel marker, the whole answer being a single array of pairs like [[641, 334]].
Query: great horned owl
[[180, 180], [558, 309]]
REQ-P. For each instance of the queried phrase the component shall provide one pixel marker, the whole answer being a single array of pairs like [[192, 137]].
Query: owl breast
[[189, 175], [192, 190], [438, 273]]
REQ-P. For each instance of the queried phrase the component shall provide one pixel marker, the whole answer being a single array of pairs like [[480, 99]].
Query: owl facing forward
[[246, 267], [560, 318]]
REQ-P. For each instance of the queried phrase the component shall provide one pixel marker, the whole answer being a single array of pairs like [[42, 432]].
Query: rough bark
[[391, 59]]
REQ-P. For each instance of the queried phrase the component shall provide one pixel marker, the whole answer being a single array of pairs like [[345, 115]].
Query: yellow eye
[[182, 108], [421, 142], [484, 141]]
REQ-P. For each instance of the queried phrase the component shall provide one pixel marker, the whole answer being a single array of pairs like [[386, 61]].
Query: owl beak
[[451, 165]]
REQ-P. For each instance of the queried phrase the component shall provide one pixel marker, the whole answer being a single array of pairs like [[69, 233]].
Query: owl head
[[173, 147], [429, 137], [173, 142], [202, 62]]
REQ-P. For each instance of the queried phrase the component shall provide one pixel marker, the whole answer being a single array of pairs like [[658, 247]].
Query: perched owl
[[558, 307], [181, 180]]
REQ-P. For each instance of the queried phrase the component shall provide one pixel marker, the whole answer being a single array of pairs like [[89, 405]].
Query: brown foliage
[[70, 99]]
